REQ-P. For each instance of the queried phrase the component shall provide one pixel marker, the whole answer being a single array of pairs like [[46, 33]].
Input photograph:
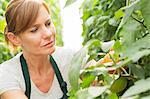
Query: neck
[[37, 63]]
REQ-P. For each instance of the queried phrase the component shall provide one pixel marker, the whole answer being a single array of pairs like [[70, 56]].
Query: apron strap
[[26, 76], [62, 83]]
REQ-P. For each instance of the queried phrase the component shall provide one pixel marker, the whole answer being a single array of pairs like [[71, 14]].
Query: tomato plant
[[116, 61]]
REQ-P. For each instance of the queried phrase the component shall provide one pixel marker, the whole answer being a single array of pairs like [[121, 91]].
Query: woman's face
[[39, 39]]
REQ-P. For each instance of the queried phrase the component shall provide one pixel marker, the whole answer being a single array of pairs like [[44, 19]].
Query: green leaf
[[138, 71], [145, 4], [118, 48], [119, 85], [69, 2], [2, 25], [135, 51], [91, 92], [83, 94], [139, 87], [138, 49], [128, 12], [90, 21], [77, 62], [107, 45], [146, 97], [74, 70], [119, 14], [113, 22], [1, 37], [129, 31], [87, 80], [113, 96], [96, 91]]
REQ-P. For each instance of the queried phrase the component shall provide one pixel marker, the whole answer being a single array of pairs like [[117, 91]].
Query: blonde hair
[[20, 15]]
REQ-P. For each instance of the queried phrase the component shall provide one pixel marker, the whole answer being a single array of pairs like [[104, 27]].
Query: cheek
[[31, 41]]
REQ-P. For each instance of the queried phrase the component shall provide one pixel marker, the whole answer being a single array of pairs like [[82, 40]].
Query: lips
[[49, 44]]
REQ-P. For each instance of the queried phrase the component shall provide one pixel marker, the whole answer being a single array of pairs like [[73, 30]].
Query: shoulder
[[10, 74], [10, 65], [64, 51], [63, 54], [12, 60]]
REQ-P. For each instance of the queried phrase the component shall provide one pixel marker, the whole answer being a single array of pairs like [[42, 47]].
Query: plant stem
[[112, 59], [124, 71], [139, 21], [127, 2]]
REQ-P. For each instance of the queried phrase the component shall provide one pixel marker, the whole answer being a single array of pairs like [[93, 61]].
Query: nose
[[46, 33]]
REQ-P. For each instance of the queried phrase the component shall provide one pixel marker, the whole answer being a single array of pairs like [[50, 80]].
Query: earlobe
[[13, 38]]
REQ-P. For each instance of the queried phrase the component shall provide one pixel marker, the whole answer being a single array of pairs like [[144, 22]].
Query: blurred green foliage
[[5, 53]]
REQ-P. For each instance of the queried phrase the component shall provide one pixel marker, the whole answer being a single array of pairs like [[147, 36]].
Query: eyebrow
[[48, 19]]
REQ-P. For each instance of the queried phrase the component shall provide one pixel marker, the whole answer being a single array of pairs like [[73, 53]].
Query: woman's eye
[[48, 24], [34, 29]]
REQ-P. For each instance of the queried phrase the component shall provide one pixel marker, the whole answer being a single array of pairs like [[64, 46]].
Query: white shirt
[[11, 77]]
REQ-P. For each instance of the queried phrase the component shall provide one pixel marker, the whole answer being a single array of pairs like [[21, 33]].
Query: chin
[[52, 50]]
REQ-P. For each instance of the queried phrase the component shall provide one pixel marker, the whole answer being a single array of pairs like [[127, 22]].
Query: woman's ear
[[13, 38]]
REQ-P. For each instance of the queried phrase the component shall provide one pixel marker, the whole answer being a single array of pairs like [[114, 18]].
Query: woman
[[33, 73]]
